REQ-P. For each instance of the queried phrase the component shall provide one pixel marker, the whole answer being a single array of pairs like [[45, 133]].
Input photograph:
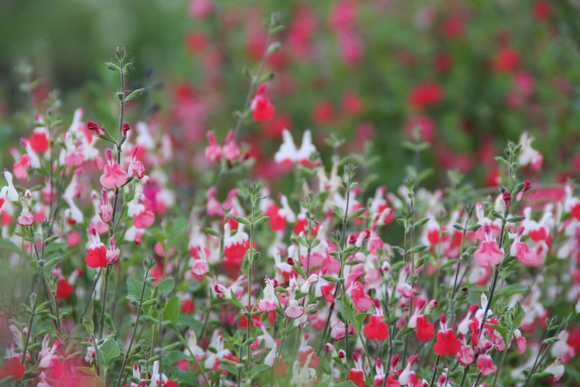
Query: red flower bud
[[125, 128], [94, 127], [507, 198]]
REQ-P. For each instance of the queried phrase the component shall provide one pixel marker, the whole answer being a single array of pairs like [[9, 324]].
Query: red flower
[[12, 367], [426, 94], [447, 343], [262, 108], [63, 288], [377, 328], [97, 257], [425, 330], [542, 10], [323, 113], [575, 210], [357, 377], [507, 60], [38, 141]]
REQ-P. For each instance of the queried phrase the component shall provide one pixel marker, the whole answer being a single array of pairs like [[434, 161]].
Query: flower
[[485, 365], [447, 343], [488, 253], [97, 252], [268, 303], [425, 330], [12, 367], [113, 176], [377, 328], [426, 94], [262, 108]]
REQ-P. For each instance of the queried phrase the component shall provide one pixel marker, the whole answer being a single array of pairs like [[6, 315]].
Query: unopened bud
[[125, 128]]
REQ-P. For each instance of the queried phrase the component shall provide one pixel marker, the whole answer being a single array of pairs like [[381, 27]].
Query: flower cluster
[[329, 281]]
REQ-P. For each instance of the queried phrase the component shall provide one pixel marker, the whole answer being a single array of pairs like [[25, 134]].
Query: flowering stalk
[[149, 263]]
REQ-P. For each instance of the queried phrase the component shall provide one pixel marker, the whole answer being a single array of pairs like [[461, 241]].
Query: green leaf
[[501, 160], [299, 270], [398, 266], [417, 249], [348, 383], [572, 371], [166, 286], [135, 94], [338, 211], [171, 311], [109, 351], [134, 289], [421, 222], [236, 302], [211, 231], [330, 278], [229, 368], [259, 368], [8, 245], [263, 219], [356, 214], [241, 220], [510, 290]]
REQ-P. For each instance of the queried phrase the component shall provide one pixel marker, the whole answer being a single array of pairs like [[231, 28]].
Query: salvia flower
[[488, 252], [114, 176], [447, 343]]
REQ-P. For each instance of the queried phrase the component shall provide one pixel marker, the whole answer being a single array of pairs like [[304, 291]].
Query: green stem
[[126, 357], [104, 303]]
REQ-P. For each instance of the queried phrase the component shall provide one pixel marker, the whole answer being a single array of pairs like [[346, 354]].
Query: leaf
[[9, 246], [171, 311], [236, 302], [572, 371], [166, 286], [241, 220], [338, 211], [211, 231], [357, 213], [417, 249], [134, 289], [229, 368], [109, 351], [510, 290], [259, 368], [347, 383], [135, 94]]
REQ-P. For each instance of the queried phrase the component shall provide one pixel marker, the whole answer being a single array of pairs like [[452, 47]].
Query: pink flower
[[526, 256], [113, 252], [485, 365], [114, 176], [97, 255], [269, 302], [362, 301], [200, 266], [488, 253], [105, 207], [213, 152], [230, 150], [520, 341], [136, 167], [25, 218], [20, 167]]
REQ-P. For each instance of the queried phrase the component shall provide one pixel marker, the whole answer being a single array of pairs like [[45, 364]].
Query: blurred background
[[469, 74]]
